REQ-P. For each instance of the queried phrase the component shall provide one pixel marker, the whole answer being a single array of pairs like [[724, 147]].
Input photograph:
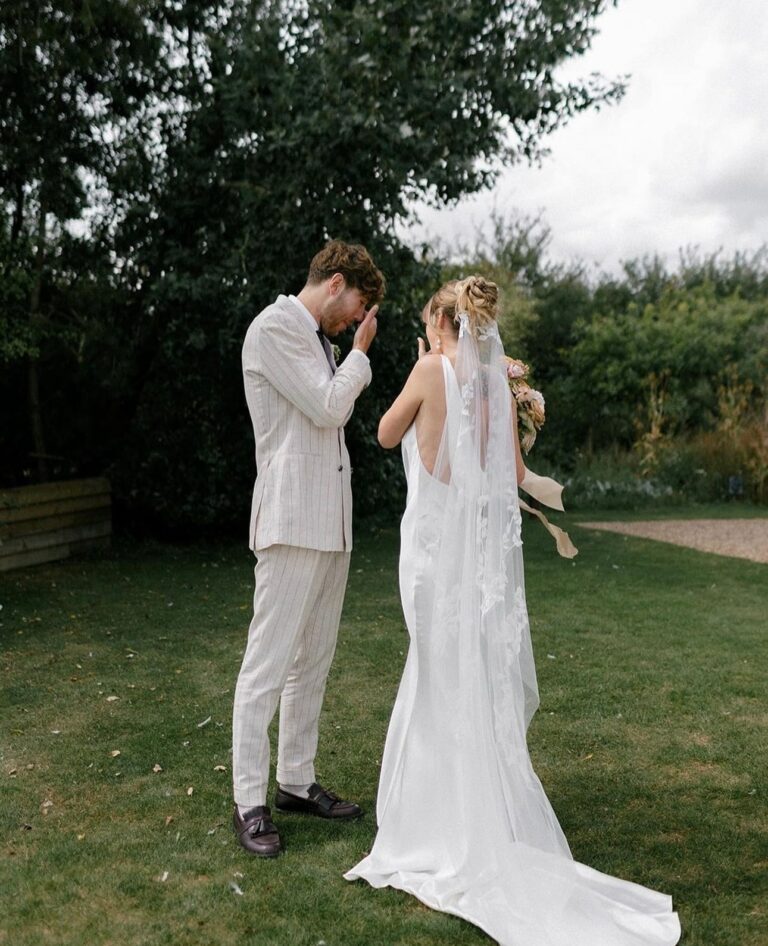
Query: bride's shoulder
[[429, 363], [427, 368]]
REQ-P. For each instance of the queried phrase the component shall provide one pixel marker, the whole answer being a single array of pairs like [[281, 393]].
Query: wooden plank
[[43, 540], [54, 553], [37, 557], [50, 523], [46, 492], [55, 508]]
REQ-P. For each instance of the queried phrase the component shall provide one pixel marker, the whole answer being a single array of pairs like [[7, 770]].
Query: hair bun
[[475, 295], [479, 298]]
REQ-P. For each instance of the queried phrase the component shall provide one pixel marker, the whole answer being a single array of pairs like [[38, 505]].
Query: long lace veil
[[480, 617]]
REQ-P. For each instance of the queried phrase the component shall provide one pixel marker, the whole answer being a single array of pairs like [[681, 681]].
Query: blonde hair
[[475, 295]]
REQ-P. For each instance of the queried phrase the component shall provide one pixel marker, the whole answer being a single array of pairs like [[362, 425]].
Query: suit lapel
[[323, 351]]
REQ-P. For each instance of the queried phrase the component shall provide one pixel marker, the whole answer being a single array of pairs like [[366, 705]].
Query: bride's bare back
[[422, 401]]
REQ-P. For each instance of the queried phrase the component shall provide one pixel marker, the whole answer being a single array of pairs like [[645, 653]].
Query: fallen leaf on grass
[[204, 723], [586, 757], [111, 699], [235, 888], [163, 877], [168, 820], [157, 768], [190, 790], [115, 753], [12, 772], [81, 837], [219, 768]]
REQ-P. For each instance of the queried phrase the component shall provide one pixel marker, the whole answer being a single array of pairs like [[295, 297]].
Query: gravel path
[[739, 538]]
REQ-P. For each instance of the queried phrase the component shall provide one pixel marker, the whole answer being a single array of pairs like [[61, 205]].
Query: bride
[[463, 821]]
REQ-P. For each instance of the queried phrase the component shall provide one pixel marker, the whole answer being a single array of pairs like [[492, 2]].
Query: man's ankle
[[243, 810], [300, 791]]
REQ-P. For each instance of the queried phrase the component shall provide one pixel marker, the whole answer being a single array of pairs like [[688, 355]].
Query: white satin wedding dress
[[463, 821]]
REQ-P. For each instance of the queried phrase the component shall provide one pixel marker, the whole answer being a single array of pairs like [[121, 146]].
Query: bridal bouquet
[[530, 402], [530, 418]]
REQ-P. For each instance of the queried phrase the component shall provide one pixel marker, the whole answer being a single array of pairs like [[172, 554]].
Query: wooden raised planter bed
[[51, 521]]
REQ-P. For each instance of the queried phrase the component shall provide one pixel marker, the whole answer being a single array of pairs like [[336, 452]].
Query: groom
[[301, 531]]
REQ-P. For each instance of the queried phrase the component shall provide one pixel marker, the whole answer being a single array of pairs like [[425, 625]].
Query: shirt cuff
[[356, 353], [364, 362]]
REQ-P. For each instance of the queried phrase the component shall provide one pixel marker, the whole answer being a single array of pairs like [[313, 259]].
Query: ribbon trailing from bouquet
[[549, 493]]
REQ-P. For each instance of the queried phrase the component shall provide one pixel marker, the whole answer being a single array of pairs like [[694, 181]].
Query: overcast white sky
[[682, 160]]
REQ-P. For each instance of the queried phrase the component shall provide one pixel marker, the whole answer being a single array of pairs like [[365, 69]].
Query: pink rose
[[516, 369]]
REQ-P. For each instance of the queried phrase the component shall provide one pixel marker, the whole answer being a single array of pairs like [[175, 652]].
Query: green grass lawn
[[651, 741]]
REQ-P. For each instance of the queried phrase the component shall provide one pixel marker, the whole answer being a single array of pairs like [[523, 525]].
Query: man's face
[[343, 307]]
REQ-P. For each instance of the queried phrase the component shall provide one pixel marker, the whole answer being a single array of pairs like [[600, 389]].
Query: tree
[[73, 77], [688, 343], [266, 128], [311, 121]]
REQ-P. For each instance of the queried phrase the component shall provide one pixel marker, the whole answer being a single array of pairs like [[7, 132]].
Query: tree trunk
[[18, 214], [33, 378]]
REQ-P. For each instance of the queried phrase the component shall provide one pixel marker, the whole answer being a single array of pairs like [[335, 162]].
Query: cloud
[[682, 161]]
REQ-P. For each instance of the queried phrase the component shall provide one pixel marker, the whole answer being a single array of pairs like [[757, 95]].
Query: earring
[[439, 343]]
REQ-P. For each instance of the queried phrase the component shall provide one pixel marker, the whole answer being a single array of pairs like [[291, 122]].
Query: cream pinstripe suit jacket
[[303, 491]]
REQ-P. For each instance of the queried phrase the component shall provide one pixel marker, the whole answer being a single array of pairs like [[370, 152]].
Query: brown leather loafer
[[322, 803], [256, 832]]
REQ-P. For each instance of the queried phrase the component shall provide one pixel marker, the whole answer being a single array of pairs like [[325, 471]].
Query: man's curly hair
[[354, 263]]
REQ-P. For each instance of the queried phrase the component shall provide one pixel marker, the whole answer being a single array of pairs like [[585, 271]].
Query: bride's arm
[[519, 463], [400, 416]]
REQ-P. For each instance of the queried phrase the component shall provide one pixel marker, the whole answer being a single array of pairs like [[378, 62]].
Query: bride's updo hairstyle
[[475, 295]]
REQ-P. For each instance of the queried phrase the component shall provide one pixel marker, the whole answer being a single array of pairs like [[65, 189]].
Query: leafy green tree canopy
[[207, 151]]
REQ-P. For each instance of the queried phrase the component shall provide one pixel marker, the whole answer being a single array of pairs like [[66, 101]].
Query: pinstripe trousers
[[291, 641]]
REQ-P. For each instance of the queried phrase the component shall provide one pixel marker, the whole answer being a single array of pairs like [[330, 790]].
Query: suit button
[[341, 468]]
